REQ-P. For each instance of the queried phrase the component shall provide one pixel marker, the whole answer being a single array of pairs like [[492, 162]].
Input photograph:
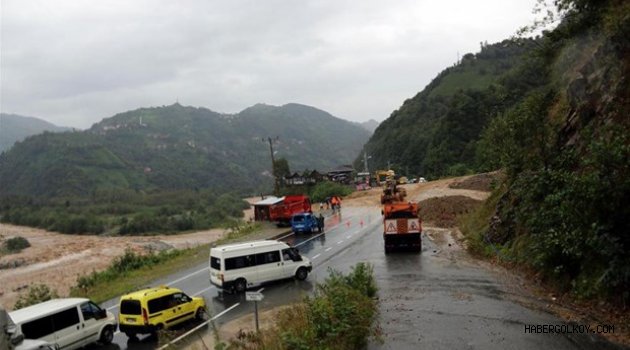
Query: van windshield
[[298, 218], [130, 307]]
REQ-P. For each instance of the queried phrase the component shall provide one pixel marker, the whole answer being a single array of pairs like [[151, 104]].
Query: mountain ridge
[[179, 147], [15, 128]]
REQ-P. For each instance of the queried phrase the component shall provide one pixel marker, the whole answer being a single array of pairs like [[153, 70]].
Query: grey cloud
[[76, 62]]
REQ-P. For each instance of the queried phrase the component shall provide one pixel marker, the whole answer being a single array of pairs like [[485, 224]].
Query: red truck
[[282, 211]]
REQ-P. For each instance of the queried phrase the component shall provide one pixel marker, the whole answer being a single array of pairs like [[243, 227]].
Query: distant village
[[343, 174]]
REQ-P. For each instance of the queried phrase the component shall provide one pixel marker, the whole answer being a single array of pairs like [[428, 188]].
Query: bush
[[15, 244], [340, 315], [36, 294]]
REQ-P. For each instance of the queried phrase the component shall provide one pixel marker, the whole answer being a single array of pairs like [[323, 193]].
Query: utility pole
[[388, 166], [365, 164], [276, 189]]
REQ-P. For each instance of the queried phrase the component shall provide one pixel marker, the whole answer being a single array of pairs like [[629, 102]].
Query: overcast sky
[[75, 62]]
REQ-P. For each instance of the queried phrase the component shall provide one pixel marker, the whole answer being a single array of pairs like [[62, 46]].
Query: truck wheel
[[107, 335], [301, 274], [241, 285]]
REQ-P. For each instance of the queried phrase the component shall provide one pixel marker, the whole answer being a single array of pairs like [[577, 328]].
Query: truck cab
[[304, 222]]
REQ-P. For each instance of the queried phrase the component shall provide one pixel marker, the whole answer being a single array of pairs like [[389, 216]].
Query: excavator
[[402, 227]]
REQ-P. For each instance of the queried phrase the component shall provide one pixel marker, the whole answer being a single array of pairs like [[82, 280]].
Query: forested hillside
[[552, 112], [164, 169], [435, 132], [15, 128], [565, 148], [177, 147]]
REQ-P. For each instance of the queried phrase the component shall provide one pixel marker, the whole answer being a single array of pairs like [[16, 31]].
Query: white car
[[68, 323]]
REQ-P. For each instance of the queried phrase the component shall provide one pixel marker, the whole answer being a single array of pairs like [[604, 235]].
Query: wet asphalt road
[[427, 300]]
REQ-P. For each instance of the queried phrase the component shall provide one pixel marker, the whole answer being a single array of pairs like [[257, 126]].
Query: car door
[[68, 332], [290, 260], [177, 309], [185, 306], [288, 265], [269, 265], [91, 325]]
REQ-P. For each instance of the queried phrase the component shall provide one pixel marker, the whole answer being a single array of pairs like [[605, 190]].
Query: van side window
[[65, 319], [290, 254], [89, 310], [240, 262], [286, 255], [160, 304], [181, 298], [268, 257], [38, 328]]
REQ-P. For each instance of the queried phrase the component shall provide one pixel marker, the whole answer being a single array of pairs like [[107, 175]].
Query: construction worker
[[320, 223]]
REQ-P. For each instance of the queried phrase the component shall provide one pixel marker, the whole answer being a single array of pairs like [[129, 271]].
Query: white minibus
[[68, 323], [237, 267]]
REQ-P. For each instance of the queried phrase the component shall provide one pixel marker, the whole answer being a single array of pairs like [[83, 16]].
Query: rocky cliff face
[[598, 94]]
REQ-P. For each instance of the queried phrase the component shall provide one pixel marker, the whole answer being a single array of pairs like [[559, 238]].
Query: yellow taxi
[[149, 310]]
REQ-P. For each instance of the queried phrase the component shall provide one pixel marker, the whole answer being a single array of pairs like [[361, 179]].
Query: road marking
[[203, 291], [188, 276], [339, 242], [283, 237], [348, 236], [316, 256], [199, 326], [329, 248], [308, 240]]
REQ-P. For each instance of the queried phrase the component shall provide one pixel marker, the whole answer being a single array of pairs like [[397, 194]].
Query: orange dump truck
[[402, 227]]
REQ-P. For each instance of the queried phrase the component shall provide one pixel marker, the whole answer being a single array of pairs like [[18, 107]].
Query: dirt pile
[[482, 182], [443, 211]]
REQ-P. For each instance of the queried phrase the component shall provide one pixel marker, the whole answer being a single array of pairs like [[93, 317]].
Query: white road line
[[308, 240], [329, 248], [172, 282], [203, 291], [339, 242], [316, 256], [283, 237], [188, 276], [348, 236], [199, 326]]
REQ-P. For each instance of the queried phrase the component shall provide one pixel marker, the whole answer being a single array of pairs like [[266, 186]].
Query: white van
[[237, 267], [69, 323]]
